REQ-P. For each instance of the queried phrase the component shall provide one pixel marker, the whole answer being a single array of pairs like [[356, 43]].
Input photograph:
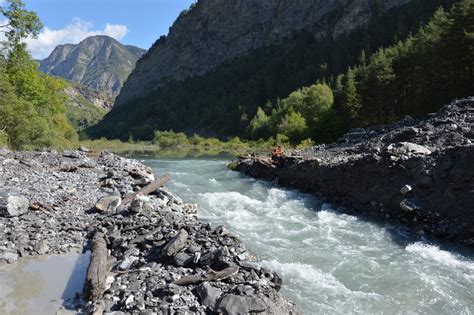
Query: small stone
[[196, 257], [68, 168], [127, 262], [140, 204], [182, 259], [409, 205], [406, 189], [108, 203], [41, 247], [222, 231], [129, 300], [72, 154], [193, 248]]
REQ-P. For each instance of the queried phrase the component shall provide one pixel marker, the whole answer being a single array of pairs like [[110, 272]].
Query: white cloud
[[73, 33]]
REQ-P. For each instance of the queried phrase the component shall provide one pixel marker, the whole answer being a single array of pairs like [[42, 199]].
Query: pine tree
[[338, 91], [351, 99]]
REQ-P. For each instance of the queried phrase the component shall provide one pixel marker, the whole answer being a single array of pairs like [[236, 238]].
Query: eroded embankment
[[418, 172], [160, 257]]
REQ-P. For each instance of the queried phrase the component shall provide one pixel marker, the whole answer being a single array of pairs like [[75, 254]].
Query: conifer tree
[[351, 99]]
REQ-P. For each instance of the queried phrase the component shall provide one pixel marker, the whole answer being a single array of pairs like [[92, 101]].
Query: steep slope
[[218, 30], [98, 62], [85, 106], [212, 71]]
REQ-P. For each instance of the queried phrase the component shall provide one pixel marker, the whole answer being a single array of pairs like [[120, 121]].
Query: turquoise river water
[[332, 263]]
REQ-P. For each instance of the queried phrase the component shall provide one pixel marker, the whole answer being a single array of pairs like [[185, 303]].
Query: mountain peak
[[99, 62]]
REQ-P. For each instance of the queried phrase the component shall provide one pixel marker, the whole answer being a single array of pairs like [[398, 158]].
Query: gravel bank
[[161, 258]]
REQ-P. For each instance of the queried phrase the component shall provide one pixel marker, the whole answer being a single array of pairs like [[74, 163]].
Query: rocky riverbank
[[160, 258], [417, 172]]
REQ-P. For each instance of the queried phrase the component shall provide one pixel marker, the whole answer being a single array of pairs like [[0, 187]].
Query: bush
[[305, 144], [170, 139]]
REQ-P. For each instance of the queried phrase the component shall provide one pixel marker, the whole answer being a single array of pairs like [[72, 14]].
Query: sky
[[132, 22]]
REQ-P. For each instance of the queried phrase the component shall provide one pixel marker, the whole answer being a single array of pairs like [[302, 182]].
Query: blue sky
[[134, 22]]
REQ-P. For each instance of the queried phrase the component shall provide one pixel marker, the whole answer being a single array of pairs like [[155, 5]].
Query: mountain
[[97, 62], [224, 58], [205, 36]]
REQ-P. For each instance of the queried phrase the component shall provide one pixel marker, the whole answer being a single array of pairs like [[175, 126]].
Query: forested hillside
[[413, 77], [224, 101]]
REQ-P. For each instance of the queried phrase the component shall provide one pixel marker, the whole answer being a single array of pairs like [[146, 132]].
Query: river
[[332, 263]]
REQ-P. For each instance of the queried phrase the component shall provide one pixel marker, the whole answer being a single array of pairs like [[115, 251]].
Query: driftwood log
[[151, 187], [97, 271], [210, 276]]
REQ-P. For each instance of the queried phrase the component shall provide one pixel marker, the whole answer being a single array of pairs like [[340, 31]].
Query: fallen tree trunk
[[97, 271], [147, 189]]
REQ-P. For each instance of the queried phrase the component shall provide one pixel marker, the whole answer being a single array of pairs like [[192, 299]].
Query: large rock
[[13, 204], [176, 244], [208, 294], [108, 203], [235, 304], [403, 148]]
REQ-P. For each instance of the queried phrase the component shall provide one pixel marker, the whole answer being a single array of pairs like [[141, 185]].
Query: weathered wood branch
[[210, 276], [97, 271], [151, 187]]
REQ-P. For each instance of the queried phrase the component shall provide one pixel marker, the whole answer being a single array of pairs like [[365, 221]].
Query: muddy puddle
[[42, 285]]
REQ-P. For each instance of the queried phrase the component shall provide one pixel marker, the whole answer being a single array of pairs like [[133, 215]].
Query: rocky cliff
[[213, 31], [98, 62], [85, 106]]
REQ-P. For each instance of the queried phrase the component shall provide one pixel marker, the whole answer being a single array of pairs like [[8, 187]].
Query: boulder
[[208, 295], [13, 204], [403, 148], [175, 244], [235, 304], [108, 203]]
